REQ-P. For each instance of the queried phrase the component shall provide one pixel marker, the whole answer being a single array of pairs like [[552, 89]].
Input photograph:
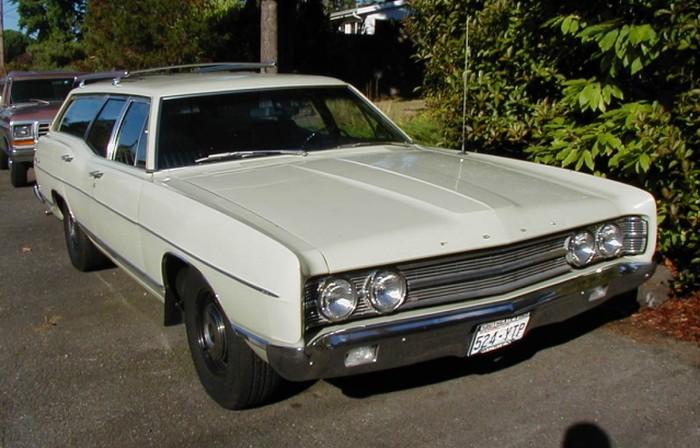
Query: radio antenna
[[464, 87]]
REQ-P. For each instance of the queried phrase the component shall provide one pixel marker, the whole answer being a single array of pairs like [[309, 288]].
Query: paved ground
[[85, 361]]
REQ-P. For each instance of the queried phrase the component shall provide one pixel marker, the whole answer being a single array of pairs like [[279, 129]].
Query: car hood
[[375, 206], [34, 111]]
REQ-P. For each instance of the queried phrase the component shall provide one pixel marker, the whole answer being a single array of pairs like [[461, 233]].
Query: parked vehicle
[[299, 233], [29, 102]]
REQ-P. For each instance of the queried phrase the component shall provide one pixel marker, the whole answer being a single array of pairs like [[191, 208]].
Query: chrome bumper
[[412, 340], [24, 155], [39, 195]]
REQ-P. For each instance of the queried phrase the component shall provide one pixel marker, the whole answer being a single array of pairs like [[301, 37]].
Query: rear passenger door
[[118, 177]]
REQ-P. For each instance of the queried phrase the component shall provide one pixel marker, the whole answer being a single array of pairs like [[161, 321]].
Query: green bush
[[609, 88]]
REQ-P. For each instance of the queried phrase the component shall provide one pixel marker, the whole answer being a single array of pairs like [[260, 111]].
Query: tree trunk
[[268, 32]]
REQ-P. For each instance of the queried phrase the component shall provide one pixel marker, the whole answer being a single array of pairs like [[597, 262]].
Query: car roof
[[158, 86]]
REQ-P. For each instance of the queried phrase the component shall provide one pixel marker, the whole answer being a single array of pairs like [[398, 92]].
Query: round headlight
[[609, 240], [337, 299], [581, 249], [386, 290]]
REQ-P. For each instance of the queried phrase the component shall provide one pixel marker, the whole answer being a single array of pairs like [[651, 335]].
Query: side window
[[101, 130], [79, 115], [131, 140]]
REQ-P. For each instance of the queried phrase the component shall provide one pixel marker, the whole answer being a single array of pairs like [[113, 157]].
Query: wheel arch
[[59, 203]]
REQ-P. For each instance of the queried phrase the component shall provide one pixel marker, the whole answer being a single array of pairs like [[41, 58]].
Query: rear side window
[[131, 141], [100, 132], [79, 115]]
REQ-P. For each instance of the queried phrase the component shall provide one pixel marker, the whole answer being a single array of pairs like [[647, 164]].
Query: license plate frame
[[493, 335]]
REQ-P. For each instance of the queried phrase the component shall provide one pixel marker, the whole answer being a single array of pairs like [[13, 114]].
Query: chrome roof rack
[[198, 68]]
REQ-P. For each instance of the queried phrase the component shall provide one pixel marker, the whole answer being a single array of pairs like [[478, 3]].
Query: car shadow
[[445, 369]]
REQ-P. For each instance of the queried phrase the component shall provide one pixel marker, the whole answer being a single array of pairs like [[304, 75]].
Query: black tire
[[83, 253], [4, 160], [18, 174], [232, 375]]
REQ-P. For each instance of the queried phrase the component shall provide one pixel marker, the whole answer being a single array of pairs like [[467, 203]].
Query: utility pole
[[2, 40], [268, 33]]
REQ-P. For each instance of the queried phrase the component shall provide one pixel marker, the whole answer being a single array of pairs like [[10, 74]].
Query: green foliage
[[56, 27], [610, 88], [145, 33], [15, 44]]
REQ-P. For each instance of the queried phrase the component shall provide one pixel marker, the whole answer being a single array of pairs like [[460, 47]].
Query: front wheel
[[18, 174], [230, 372]]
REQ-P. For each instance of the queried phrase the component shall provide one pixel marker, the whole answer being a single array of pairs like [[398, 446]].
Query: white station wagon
[[300, 234]]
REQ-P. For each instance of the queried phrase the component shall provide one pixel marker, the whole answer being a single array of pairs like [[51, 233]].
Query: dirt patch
[[676, 318]]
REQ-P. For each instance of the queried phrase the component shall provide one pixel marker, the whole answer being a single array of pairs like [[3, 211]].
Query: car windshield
[[225, 126], [40, 90]]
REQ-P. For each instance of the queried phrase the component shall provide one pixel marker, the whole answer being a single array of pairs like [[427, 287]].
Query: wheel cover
[[212, 337]]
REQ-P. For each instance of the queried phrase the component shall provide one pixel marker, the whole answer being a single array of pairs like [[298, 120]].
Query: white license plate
[[497, 334]]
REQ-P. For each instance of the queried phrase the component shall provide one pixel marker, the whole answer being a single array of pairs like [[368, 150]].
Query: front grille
[[43, 129], [478, 274]]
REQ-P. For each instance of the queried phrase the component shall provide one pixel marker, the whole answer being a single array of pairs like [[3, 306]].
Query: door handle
[[96, 174], [66, 157]]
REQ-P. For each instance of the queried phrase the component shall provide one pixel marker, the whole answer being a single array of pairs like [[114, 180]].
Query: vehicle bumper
[[39, 195], [24, 155], [416, 339]]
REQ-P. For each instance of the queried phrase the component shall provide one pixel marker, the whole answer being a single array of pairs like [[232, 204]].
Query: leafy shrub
[[609, 88]]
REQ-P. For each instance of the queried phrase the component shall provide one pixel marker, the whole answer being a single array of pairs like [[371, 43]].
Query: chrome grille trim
[[477, 274], [43, 129]]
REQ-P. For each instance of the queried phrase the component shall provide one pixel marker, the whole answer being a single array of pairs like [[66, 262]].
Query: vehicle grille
[[478, 274], [43, 129]]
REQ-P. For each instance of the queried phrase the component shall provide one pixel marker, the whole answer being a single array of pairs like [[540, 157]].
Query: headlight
[[23, 131], [337, 299], [609, 240], [581, 249], [386, 290]]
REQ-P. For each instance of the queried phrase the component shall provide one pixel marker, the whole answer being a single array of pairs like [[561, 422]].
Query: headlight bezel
[[28, 133], [368, 288], [604, 241]]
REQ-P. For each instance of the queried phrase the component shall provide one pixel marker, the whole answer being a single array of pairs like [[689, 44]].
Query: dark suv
[[28, 104]]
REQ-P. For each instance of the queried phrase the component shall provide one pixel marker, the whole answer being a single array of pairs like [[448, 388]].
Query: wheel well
[[173, 311], [58, 201]]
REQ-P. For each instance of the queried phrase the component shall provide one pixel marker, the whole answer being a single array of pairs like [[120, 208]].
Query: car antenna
[[464, 86]]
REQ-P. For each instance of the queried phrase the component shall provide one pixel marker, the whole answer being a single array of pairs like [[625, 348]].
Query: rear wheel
[[83, 253], [230, 372], [18, 174]]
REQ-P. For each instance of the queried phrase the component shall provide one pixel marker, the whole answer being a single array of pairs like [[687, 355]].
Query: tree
[[611, 88], [137, 34], [56, 27], [16, 44]]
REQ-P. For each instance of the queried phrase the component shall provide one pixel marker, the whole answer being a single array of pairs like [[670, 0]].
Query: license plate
[[497, 334]]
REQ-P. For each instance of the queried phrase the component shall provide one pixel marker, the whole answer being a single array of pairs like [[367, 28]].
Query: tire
[[232, 375], [83, 253], [18, 174], [4, 160]]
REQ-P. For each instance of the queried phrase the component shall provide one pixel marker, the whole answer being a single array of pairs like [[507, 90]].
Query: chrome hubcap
[[213, 334]]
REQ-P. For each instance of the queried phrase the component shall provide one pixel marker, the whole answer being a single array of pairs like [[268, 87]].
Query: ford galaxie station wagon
[[299, 234]]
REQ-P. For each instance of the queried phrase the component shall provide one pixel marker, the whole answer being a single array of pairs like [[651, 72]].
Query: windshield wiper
[[374, 143], [245, 154], [39, 100]]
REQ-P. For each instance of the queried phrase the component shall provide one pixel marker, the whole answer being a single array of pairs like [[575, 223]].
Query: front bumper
[[22, 155], [416, 339]]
